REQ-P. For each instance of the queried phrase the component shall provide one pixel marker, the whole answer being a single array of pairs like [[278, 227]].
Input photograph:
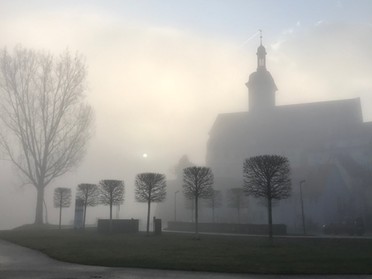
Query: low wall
[[278, 229], [119, 225]]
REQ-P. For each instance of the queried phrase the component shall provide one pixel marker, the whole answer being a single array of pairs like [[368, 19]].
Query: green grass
[[241, 254]]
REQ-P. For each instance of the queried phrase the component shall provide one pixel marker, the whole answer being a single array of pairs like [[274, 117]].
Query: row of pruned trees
[[107, 192], [235, 199], [266, 176], [150, 187]]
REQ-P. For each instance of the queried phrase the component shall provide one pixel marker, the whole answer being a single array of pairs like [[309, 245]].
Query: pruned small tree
[[150, 187], [44, 123], [111, 193], [197, 184], [213, 202], [237, 199], [62, 198], [89, 194], [190, 205], [267, 176]]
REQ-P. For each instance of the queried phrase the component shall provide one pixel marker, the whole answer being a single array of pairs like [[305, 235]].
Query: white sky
[[159, 72]]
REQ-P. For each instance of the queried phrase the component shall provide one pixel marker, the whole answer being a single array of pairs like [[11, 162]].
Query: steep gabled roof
[[290, 124]]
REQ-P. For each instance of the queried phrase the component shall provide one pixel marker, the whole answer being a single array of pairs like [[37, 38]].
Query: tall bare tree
[[111, 193], [267, 176], [197, 184], [213, 202], [237, 199], [45, 124], [150, 187], [62, 198], [89, 194]]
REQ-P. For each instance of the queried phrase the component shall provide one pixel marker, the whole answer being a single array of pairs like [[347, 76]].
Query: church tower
[[261, 85]]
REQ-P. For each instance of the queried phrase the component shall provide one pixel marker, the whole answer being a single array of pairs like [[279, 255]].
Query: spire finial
[[260, 30]]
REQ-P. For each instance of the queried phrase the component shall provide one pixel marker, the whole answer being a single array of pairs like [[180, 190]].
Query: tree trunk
[[39, 205], [148, 217], [270, 219], [196, 218], [60, 216], [110, 224], [46, 212], [85, 214], [60, 211]]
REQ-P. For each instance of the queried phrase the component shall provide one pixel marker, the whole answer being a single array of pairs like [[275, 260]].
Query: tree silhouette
[[236, 199], [44, 123], [150, 187], [62, 198], [190, 205], [111, 193], [89, 194], [267, 176], [197, 184], [213, 202]]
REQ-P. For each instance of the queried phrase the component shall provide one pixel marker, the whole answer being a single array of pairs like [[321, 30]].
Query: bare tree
[[213, 202], [89, 194], [197, 184], [190, 205], [45, 124], [150, 187], [236, 199], [111, 193], [267, 176], [62, 198]]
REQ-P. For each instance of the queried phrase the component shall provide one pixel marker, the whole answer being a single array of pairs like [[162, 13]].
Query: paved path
[[17, 262]]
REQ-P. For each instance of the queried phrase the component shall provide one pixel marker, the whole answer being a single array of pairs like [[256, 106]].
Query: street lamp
[[302, 206], [175, 206]]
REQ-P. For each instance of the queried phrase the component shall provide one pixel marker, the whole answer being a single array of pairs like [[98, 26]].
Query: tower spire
[[260, 30], [261, 85], [261, 54]]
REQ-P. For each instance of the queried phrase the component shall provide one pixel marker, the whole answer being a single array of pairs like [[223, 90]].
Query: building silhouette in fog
[[327, 143]]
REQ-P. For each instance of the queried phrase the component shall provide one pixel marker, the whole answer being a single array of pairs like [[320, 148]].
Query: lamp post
[[302, 206], [175, 205]]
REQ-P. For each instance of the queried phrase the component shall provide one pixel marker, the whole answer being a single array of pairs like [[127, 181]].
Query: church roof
[[290, 124], [340, 111]]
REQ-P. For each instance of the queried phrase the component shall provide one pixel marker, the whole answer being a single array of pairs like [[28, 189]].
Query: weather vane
[[260, 30]]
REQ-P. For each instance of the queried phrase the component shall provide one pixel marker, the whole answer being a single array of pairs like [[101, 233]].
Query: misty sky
[[159, 72]]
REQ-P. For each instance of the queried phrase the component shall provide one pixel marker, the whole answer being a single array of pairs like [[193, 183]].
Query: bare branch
[[111, 192], [150, 187], [62, 197], [88, 193], [44, 124], [268, 177]]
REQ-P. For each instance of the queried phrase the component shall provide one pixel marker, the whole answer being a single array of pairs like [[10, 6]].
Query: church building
[[328, 144]]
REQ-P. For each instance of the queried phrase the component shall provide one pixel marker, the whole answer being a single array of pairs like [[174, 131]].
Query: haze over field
[[159, 72]]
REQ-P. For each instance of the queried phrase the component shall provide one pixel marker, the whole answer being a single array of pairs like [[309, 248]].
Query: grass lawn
[[241, 254]]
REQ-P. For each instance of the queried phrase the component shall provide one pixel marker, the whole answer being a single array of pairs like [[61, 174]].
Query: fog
[[156, 88]]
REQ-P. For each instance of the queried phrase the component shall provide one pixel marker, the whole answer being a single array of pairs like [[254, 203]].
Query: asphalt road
[[18, 262]]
